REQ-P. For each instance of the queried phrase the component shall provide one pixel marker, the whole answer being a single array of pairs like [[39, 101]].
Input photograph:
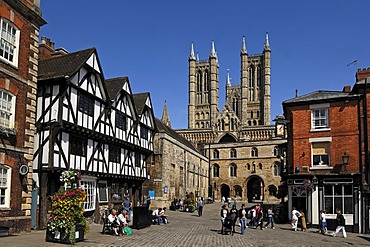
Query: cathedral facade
[[239, 140]]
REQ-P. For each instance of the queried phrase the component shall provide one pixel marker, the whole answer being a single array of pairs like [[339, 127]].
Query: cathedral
[[239, 140]]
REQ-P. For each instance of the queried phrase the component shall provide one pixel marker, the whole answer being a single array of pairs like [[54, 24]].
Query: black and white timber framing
[[91, 124]]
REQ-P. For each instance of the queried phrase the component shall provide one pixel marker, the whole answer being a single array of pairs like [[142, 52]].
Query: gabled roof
[[161, 127], [62, 66], [320, 95], [140, 100], [114, 86]]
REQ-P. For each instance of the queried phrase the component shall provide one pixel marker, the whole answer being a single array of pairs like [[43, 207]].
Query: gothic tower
[[203, 90]]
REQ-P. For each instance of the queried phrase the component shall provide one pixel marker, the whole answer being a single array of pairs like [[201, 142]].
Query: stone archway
[[225, 190], [255, 189]]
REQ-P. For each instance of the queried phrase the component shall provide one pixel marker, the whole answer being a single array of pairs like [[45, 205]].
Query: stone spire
[[244, 47], [267, 44], [228, 79], [213, 50], [197, 57], [165, 116], [192, 57]]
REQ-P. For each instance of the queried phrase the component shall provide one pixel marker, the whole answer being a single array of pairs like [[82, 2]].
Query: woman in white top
[[323, 222], [295, 216], [113, 219], [224, 212]]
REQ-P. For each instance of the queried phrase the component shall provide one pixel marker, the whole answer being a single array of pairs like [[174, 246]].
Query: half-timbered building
[[92, 125], [20, 22]]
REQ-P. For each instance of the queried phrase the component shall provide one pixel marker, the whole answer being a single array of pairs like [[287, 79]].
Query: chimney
[[362, 74], [47, 50], [346, 89]]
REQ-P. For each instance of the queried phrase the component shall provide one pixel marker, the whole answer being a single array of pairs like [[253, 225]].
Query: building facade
[[92, 125], [20, 25], [238, 139], [326, 162], [178, 168]]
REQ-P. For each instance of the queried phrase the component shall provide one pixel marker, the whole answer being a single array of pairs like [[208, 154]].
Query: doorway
[[255, 189], [225, 190]]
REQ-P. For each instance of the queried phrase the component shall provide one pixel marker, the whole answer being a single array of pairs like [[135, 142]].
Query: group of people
[[119, 222], [159, 216], [255, 216]]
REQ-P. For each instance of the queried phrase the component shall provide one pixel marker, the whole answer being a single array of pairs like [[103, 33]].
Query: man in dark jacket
[[341, 225]]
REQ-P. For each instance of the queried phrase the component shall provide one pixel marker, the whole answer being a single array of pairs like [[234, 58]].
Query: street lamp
[[345, 159]]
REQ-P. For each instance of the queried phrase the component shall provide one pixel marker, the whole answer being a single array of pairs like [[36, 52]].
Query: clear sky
[[313, 42]]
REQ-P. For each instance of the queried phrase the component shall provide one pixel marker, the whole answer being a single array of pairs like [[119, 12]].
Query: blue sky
[[312, 42]]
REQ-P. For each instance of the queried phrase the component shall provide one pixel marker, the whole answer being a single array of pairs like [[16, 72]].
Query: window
[[272, 190], [216, 154], [260, 166], [6, 109], [276, 151], [121, 121], [232, 153], [143, 132], [5, 177], [9, 46], [319, 116], [276, 170], [86, 104], [103, 191], [216, 171], [248, 167], [78, 146], [233, 168], [114, 154], [88, 185], [338, 197], [254, 152], [137, 159], [320, 153]]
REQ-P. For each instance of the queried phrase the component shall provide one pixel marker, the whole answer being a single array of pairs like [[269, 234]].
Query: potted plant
[[307, 186], [66, 223]]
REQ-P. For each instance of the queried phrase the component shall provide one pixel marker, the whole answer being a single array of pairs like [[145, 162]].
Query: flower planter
[[62, 237]]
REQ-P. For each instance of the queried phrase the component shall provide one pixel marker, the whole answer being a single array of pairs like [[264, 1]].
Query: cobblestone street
[[187, 229]]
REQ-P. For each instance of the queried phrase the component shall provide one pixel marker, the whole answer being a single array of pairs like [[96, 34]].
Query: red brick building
[[20, 24], [325, 153]]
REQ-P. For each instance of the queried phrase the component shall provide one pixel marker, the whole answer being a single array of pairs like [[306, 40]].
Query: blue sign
[[165, 189], [152, 194]]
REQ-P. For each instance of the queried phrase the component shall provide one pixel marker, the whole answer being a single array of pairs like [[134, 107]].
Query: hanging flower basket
[[66, 223], [307, 186]]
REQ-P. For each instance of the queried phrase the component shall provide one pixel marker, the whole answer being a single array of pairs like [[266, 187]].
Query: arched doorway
[[255, 188], [238, 191], [225, 190]]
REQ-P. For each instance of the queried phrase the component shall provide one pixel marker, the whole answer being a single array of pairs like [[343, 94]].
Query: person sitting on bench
[[113, 219]]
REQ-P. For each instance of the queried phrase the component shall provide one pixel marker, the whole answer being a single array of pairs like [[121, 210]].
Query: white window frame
[[5, 185], [10, 112], [103, 182], [323, 110], [8, 40], [88, 185], [342, 196], [320, 140]]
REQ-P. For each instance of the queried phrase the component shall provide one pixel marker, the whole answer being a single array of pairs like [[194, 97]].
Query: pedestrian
[[235, 201], [253, 216], [200, 203], [270, 215], [341, 225], [243, 219], [224, 212], [295, 217], [127, 207], [229, 202], [234, 216], [223, 200], [323, 222], [260, 219], [303, 221]]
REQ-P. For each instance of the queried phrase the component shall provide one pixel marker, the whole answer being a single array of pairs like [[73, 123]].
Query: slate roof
[[161, 127], [139, 100], [66, 65], [114, 86], [320, 95]]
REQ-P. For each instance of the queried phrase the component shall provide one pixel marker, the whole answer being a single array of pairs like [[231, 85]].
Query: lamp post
[[345, 159]]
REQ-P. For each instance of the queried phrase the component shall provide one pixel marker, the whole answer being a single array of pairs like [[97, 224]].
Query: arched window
[[254, 152], [233, 169], [248, 167], [253, 167], [276, 151], [238, 191], [233, 153], [260, 166], [9, 42], [276, 170], [216, 154], [272, 190], [216, 171]]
